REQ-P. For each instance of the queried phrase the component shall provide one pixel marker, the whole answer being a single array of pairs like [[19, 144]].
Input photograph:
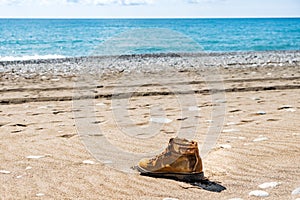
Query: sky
[[148, 8]]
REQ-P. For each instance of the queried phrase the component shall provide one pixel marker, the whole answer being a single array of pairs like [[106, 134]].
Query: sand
[[46, 129]]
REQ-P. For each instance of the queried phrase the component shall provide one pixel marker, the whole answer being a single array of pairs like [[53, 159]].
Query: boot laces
[[161, 155]]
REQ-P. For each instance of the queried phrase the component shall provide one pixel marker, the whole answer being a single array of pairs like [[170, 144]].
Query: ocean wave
[[31, 57]]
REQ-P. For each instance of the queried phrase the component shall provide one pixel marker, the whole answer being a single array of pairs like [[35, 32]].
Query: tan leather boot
[[180, 161]]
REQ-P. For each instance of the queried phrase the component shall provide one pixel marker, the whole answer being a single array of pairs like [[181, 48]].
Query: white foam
[[259, 193], [32, 57]]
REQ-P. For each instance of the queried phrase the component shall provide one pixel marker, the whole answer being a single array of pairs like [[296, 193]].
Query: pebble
[[285, 107], [100, 104], [261, 112], [221, 101], [88, 162], [35, 157], [4, 172], [290, 110], [230, 123], [194, 108], [268, 185], [226, 146], [40, 194], [230, 130], [260, 139], [161, 120], [107, 162], [255, 98], [259, 193], [296, 191], [170, 198], [43, 107], [28, 168]]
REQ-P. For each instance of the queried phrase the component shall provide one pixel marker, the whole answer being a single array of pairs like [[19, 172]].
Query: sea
[[25, 39]]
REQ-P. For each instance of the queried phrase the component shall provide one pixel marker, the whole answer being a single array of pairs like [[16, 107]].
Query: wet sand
[[43, 154]]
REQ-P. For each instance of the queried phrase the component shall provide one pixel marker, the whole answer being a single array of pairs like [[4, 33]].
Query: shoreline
[[146, 63], [77, 59]]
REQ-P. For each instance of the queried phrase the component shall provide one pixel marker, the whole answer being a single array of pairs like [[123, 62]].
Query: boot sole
[[191, 177]]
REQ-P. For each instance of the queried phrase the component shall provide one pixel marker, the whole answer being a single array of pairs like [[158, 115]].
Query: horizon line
[[144, 17]]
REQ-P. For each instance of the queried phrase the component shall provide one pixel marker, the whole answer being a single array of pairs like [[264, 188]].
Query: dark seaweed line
[[147, 85], [143, 94]]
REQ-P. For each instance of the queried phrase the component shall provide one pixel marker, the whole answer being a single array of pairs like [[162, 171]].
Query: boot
[[180, 161]]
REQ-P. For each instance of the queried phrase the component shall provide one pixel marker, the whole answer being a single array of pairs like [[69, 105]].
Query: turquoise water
[[47, 38]]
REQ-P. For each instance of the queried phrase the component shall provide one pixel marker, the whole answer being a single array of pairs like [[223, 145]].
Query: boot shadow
[[209, 186], [204, 184]]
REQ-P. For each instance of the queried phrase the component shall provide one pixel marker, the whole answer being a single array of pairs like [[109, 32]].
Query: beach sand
[[43, 154]]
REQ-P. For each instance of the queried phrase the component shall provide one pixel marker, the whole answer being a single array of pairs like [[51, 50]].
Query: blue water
[[21, 38]]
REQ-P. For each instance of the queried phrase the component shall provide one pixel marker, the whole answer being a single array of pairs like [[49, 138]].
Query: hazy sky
[[149, 8]]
